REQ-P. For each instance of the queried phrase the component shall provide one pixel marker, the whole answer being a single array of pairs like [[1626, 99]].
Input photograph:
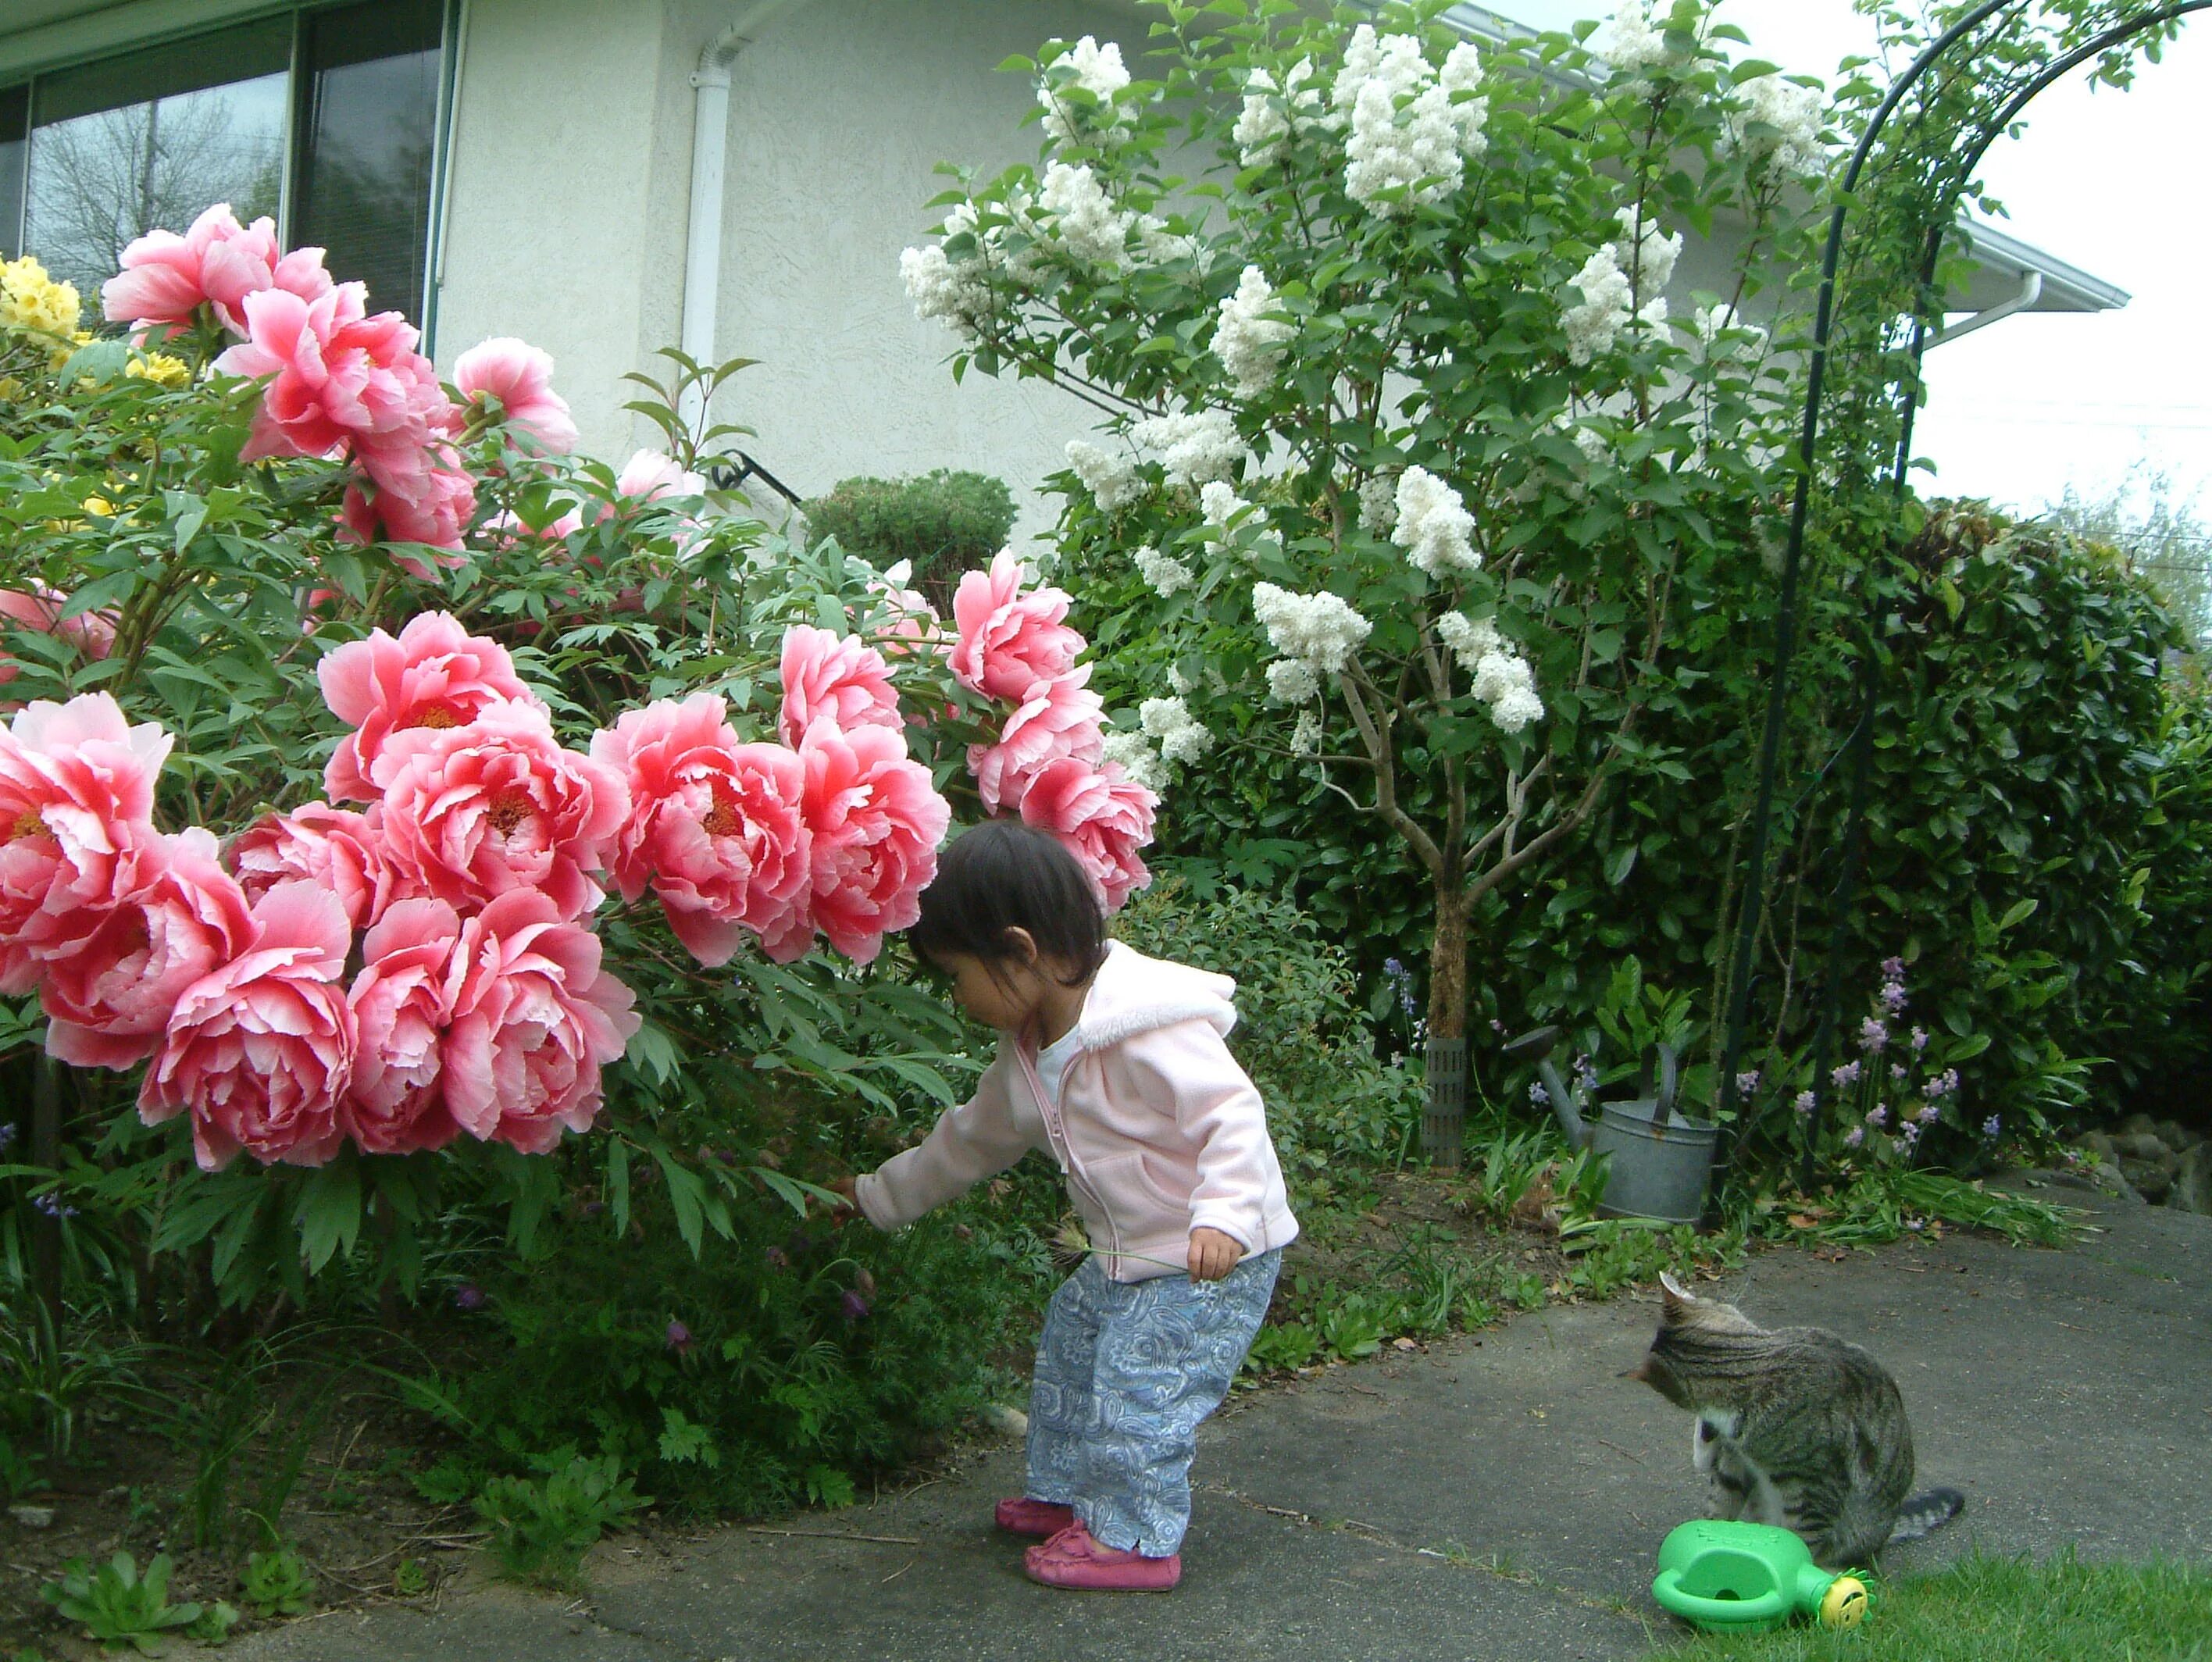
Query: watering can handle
[[1720, 1612], [1668, 1077]]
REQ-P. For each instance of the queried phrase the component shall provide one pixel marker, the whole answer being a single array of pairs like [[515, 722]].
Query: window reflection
[[148, 140], [371, 129]]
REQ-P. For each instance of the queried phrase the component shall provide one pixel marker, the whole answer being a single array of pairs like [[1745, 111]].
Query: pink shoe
[[1042, 1518], [1072, 1559]]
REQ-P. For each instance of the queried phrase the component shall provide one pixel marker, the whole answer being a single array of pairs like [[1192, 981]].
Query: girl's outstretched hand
[[847, 1191], [1213, 1254]]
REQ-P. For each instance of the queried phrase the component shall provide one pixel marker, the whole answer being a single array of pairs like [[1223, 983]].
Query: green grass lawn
[[2005, 1610]]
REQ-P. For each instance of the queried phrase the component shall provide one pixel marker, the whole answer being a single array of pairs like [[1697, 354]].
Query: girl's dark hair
[[1004, 875]]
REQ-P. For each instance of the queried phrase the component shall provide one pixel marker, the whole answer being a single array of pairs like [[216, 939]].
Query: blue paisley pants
[[1125, 1372]]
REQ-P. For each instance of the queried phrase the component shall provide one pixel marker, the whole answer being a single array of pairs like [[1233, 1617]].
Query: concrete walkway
[[1497, 1498]]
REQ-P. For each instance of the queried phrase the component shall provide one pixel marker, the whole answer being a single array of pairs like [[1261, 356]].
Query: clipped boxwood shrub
[[943, 521]]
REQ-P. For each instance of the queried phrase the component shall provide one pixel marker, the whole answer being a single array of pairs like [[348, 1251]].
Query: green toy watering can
[[1747, 1578]]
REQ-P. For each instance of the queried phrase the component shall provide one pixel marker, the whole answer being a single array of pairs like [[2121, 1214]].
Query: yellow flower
[[30, 299], [159, 368]]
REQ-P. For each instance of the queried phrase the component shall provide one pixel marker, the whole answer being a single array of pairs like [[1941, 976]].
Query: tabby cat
[[1796, 1427]]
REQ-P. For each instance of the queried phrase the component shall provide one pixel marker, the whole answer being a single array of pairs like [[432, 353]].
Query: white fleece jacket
[[1159, 1131]]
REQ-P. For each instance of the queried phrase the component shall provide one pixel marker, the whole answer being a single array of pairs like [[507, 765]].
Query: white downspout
[[2031, 290], [710, 142]]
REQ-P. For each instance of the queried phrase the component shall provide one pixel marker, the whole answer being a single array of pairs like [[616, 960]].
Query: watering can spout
[[1539, 1041]]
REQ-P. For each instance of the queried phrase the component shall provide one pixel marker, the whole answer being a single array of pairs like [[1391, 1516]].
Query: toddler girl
[[1114, 1063]]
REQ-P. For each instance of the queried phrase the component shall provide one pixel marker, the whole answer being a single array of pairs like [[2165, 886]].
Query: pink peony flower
[[259, 1051], [76, 788], [337, 376], [166, 278], [506, 530], [92, 634], [401, 1002], [435, 675], [471, 813], [108, 993], [903, 620], [650, 473], [520, 377], [534, 1018], [842, 679], [1060, 719], [413, 495], [1008, 640], [335, 847], [1101, 816], [876, 820], [715, 827]]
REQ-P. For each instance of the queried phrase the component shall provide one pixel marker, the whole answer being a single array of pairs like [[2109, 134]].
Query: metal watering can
[[1661, 1159]]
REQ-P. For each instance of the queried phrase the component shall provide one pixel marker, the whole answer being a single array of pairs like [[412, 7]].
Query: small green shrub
[[19, 1475], [542, 1527], [277, 1583], [942, 523], [117, 1606]]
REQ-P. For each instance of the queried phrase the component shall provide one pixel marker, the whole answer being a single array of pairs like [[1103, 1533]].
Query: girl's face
[[1005, 1000]]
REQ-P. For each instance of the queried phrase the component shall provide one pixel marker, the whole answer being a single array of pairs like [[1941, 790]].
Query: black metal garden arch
[[1858, 745]]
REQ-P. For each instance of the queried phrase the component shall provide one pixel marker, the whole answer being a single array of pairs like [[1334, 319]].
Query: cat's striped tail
[[1925, 1513]]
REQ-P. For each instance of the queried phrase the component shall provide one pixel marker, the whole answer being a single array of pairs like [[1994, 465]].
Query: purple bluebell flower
[[1944, 1083], [1892, 995], [1878, 1115], [778, 1258], [1991, 1127], [1853, 1136], [1897, 1069], [679, 1339], [1908, 1134], [1872, 1035], [1746, 1082], [1893, 969], [855, 1306], [1585, 1074], [468, 1296], [1804, 1105], [1929, 1115], [1844, 1076], [51, 1204], [1537, 1094], [6, 1134], [1919, 1040]]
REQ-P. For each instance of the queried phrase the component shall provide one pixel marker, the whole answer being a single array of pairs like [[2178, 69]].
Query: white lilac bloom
[[1433, 525], [945, 290], [1305, 736], [1159, 243], [1320, 628], [1183, 737], [1595, 321], [1294, 681], [1093, 69], [1504, 681], [1162, 572], [1378, 504], [1084, 219], [1272, 111], [1462, 74], [1629, 41], [1397, 157], [1468, 639], [1193, 447], [1137, 758], [1644, 252], [1249, 341], [1778, 124], [1218, 503], [1724, 336], [1594, 445], [1178, 681], [1111, 480]]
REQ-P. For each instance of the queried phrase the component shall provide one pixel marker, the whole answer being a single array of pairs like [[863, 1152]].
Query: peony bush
[[385, 783]]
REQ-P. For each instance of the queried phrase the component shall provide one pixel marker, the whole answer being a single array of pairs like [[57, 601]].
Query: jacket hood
[[1132, 994]]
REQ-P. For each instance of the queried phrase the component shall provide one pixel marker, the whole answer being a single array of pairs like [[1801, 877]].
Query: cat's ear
[[1675, 1301]]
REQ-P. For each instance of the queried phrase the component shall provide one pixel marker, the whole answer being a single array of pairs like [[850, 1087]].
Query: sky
[[2108, 182]]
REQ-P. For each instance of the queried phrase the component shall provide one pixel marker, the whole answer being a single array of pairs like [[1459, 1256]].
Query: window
[[323, 118]]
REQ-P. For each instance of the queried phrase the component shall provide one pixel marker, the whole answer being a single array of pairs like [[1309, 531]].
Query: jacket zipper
[[1075, 1177]]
